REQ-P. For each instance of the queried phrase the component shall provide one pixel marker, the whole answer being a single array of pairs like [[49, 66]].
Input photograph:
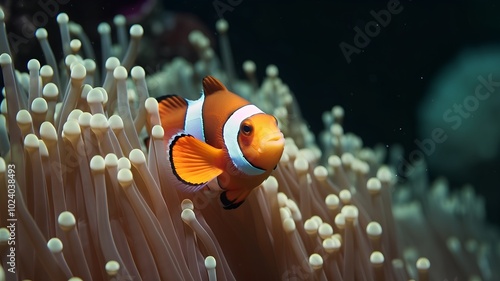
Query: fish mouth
[[274, 139], [270, 150]]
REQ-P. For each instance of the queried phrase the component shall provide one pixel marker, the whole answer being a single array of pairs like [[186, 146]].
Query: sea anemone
[[92, 202], [461, 97]]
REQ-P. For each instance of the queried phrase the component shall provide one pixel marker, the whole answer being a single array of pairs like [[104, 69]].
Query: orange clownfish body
[[220, 141]]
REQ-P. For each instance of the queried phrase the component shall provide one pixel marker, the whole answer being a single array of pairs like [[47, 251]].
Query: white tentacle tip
[[136, 30], [222, 26], [377, 258], [125, 177], [62, 18], [120, 73], [5, 59], [41, 33], [119, 20], [210, 262], [138, 73], [66, 221], [55, 245], [97, 164], [103, 28], [137, 157], [188, 215], [112, 267], [78, 71], [33, 65], [423, 264], [316, 261]]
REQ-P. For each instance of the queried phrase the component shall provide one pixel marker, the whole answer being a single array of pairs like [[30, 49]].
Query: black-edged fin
[[193, 162], [212, 85], [232, 199], [229, 204], [169, 103]]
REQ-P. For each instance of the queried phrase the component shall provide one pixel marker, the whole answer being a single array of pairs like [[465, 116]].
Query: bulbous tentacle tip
[[5, 59]]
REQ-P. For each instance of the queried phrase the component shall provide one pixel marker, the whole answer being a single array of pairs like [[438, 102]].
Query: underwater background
[[417, 78], [382, 84], [384, 88]]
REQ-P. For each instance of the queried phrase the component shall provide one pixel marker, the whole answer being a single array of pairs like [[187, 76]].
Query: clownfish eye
[[246, 128]]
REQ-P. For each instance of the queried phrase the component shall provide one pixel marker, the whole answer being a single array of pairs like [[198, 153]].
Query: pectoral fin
[[193, 162]]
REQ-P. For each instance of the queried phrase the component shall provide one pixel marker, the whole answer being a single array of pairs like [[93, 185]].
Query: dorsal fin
[[170, 103], [212, 85]]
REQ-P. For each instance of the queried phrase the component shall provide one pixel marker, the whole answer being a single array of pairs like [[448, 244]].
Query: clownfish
[[219, 142]]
